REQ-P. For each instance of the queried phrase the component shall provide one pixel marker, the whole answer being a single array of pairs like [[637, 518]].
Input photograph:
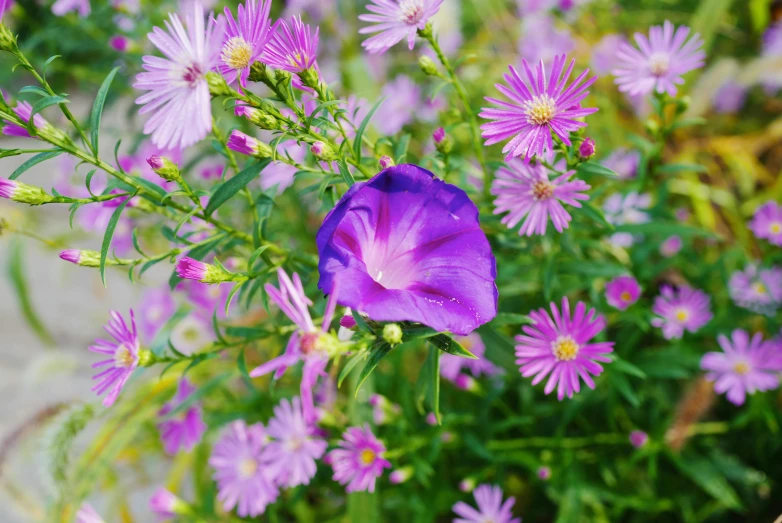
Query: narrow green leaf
[[362, 325], [375, 355], [34, 89], [16, 274], [708, 477], [97, 108], [104, 250], [88, 182], [664, 229], [673, 168], [229, 188], [627, 368], [233, 292], [447, 344], [363, 127], [350, 365], [595, 169], [48, 63], [400, 151], [343, 170], [35, 160], [242, 365], [40, 105], [509, 318], [435, 376]]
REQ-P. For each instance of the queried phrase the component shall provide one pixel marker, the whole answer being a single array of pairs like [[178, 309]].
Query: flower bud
[[258, 72], [467, 484], [431, 419], [167, 505], [682, 104], [438, 135], [89, 258], [587, 149], [244, 144], [442, 142], [283, 77], [544, 473], [322, 151], [164, 168], [428, 66], [190, 269], [638, 438], [7, 39], [386, 162], [217, 85], [468, 383], [392, 333], [401, 475], [671, 246], [652, 127], [309, 78], [119, 43], [23, 193], [146, 358]]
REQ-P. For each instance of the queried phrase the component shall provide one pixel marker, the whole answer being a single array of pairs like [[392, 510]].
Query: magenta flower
[[358, 461], [623, 162], [623, 291], [562, 349], [544, 473], [538, 108], [490, 507], [123, 355], [293, 49], [178, 96], [767, 223], [307, 344], [407, 246], [660, 60], [119, 43], [62, 7], [679, 310], [23, 110], [759, 290], [395, 20], [245, 144], [525, 191], [245, 39], [189, 269], [69, 255], [292, 453], [184, 430], [671, 246], [157, 306], [87, 514], [451, 366], [744, 367], [638, 438], [243, 482]]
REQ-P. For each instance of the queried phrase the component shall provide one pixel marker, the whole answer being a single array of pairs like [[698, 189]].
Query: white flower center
[[565, 348], [542, 190], [248, 467], [775, 227], [411, 11], [123, 357], [294, 444], [540, 110], [237, 53], [659, 63]]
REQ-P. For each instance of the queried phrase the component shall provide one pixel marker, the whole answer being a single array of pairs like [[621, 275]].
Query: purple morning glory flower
[[491, 508], [183, 431], [407, 246], [744, 367], [759, 290], [767, 223], [245, 39], [123, 354], [660, 60], [682, 309], [358, 461], [539, 107], [395, 20], [623, 291]]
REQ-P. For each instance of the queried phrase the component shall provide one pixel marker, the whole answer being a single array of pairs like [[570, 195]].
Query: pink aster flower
[[638, 438], [243, 482], [759, 290], [292, 453], [62, 7], [119, 43], [189, 269], [660, 60], [245, 39], [623, 291], [178, 96], [184, 430], [358, 461], [490, 507], [538, 108], [87, 514], [562, 348], [23, 110], [744, 367], [451, 366], [525, 190], [123, 355], [306, 344], [671, 246], [293, 49], [767, 223], [395, 20], [679, 310]]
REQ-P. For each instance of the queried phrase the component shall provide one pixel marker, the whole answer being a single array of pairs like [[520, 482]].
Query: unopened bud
[[217, 85], [587, 149], [146, 358], [191, 269], [322, 151], [428, 66], [682, 104], [544, 473], [89, 258], [164, 168], [638, 438], [7, 39], [392, 333], [283, 77], [309, 77], [426, 32], [167, 505], [468, 383], [467, 485], [652, 127], [442, 142], [438, 135], [23, 193], [258, 72], [386, 162], [247, 145], [401, 475]]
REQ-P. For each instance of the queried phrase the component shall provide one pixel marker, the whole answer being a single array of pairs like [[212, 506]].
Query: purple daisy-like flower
[[123, 355], [623, 162], [659, 61], [491, 507], [744, 367], [395, 20], [243, 481], [407, 246], [767, 223], [759, 290], [623, 291], [306, 344], [538, 107], [178, 96], [87, 514], [682, 309], [245, 40], [451, 366], [185, 430], [358, 461], [63, 7], [525, 190], [23, 110], [638, 438], [729, 97], [562, 348], [292, 453], [293, 49]]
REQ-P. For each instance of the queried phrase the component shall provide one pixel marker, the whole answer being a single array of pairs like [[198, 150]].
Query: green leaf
[[16, 266], [231, 295], [622, 384], [596, 269], [242, 365], [596, 169], [104, 250], [435, 383], [509, 318], [40, 105], [343, 170], [627, 368], [688, 122], [664, 229], [362, 325], [254, 256], [34, 89], [375, 355], [351, 364], [363, 127], [673, 168], [447, 344], [708, 477], [596, 214], [97, 108], [35, 160], [48, 62], [230, 187], [400, 151]]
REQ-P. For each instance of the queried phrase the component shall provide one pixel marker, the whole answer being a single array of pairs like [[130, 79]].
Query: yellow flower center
[[248, 467], [237, 53], [759, 288], [542, 190], [775, 227], [367, 457], [659, 63], [411, 11], [294, 59], [682, 314], [741, 368], [625, 296], [565, 348], [124, 357], [540, 110]]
